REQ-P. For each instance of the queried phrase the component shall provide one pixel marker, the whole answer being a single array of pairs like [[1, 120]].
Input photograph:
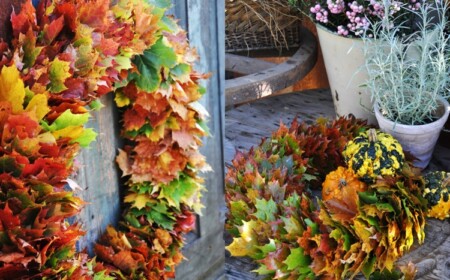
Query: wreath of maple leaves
[[64, 55]]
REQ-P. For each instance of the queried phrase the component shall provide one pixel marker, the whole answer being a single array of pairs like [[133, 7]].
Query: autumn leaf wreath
[[63, 56]]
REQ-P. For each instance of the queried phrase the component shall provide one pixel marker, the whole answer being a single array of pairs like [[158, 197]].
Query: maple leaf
[[133, 120], [266, 210], [184, 139], [8, 219], [69, 11], [183, 190], [96, 20], [39, 105], [30, 50], [149, 76], [58, 72], [298, 260], [121, 99], [138, 200], [12, 88], [25, 20], [51, 31]]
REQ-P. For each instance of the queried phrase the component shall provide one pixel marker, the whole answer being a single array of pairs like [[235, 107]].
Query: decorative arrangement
[[410, 86], [63, 56], [371, 211]]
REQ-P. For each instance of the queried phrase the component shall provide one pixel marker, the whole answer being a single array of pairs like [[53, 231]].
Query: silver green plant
[[408, 74]]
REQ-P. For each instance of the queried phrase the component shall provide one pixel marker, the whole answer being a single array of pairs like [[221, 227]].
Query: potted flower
[[409, 77], [340, 25]]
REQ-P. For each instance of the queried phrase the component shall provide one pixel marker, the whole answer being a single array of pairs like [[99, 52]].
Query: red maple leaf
[[23, 21]]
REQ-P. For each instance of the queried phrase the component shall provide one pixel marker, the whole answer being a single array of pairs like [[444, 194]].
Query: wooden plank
[[99, 176], [205, 253], [245, 65], [265, 83]]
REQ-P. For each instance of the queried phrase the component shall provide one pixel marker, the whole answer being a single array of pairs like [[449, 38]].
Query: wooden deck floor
[[247, 124]]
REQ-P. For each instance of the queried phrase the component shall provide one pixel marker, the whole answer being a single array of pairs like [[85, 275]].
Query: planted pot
[[419, 140], [344, 60]]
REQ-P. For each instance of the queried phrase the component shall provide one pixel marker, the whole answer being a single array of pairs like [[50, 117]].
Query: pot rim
[[423, 127]]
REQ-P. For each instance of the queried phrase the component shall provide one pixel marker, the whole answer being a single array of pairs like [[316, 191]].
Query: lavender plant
[[409, 73]]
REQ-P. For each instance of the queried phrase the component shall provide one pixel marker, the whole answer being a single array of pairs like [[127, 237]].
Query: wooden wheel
[[265, 78]]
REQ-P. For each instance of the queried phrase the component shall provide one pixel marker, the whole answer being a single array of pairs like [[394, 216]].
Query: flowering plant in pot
[[408, 77], [352, 18]]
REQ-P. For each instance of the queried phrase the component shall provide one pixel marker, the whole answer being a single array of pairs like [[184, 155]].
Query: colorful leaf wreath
[[62, 58]]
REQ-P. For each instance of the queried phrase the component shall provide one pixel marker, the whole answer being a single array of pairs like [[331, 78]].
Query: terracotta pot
[[419, 140], [344, 63]]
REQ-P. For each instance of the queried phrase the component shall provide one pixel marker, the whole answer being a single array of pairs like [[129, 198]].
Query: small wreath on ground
[[373, 207], [63, 56]]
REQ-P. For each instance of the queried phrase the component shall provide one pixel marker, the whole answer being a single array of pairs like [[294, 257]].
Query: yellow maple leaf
[[38, 104], [121, 99], [138, 200], [12, 88], [158, 133], [165, 159], [72, 132], [59, 71]]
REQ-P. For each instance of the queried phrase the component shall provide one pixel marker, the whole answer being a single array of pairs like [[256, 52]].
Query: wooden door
[[204, 20]]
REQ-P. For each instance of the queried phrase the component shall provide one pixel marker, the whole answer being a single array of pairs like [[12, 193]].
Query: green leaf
[[314, 227], [85, 139], [269, 247], [292, 226], [132, 220], [9, 165], [238, 210], [179, 191], [266, 210], [297, 259], [160, 55], [101, 275], [368, 197], [96, 105], [262, 270], [368, 267], [59, 255], [149, 77], [66, 119]]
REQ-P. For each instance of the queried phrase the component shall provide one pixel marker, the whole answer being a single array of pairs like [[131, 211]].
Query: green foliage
[[408, 74]]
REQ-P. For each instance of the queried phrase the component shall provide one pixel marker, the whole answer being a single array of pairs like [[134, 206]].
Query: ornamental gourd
[[339, 182], [437, 191], [372, 154]]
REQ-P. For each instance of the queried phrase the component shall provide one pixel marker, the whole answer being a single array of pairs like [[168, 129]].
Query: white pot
[[344, 62], [419, 140]]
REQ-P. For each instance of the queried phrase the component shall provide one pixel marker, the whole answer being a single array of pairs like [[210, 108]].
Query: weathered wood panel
[[245, 65], [205, 25], [99, 177]]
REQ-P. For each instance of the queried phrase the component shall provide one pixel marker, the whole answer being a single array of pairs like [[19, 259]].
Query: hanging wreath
[[63, 56]]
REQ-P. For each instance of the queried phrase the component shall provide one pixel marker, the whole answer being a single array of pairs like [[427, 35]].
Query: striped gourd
[[437, 191], [374, 153]]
